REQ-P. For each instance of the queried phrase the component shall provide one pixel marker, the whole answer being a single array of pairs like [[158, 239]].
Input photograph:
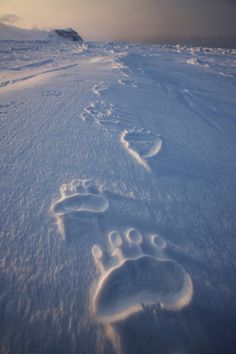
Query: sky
[[134, 20]]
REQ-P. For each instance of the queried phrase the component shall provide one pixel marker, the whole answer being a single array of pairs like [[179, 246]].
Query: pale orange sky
[[127, 19]]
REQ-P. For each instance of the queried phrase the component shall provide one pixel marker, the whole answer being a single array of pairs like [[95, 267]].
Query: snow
[[12, 33], [8, 32], [117, 198]]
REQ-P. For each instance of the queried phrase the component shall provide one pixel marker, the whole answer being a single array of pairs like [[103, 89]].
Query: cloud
[[9, 18]]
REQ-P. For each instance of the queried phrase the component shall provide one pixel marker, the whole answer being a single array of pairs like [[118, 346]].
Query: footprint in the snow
[[141, 145], [51, 93], [127, 82], [102, 113], [10, 105], [118, 66], [79, 196], [89, 112], [131, 279], [100, 87]]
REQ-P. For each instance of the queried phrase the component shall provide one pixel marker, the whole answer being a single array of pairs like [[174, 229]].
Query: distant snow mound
[[8, 32], [65, 34]]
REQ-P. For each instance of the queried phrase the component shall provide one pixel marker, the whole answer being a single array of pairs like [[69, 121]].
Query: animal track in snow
[[141, 145], [10, 105], [127, 82], [79, 196], [101, 113], [101, 86], [52, 93], [118, 66], [198, 62], [131, 280]]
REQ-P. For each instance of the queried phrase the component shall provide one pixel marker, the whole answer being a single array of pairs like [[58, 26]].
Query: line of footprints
[[135, 271], [140, 144]]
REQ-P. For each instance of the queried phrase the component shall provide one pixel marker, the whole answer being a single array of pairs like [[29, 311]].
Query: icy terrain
[[118, 195], [8, 32]]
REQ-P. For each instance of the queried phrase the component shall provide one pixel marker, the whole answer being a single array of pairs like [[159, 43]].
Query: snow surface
[[117, 199]]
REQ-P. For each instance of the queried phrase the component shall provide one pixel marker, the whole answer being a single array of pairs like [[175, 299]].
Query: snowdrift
[[12, 33]]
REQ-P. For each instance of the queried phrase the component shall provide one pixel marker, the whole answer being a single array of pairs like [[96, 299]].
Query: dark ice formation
[[67, 33]]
